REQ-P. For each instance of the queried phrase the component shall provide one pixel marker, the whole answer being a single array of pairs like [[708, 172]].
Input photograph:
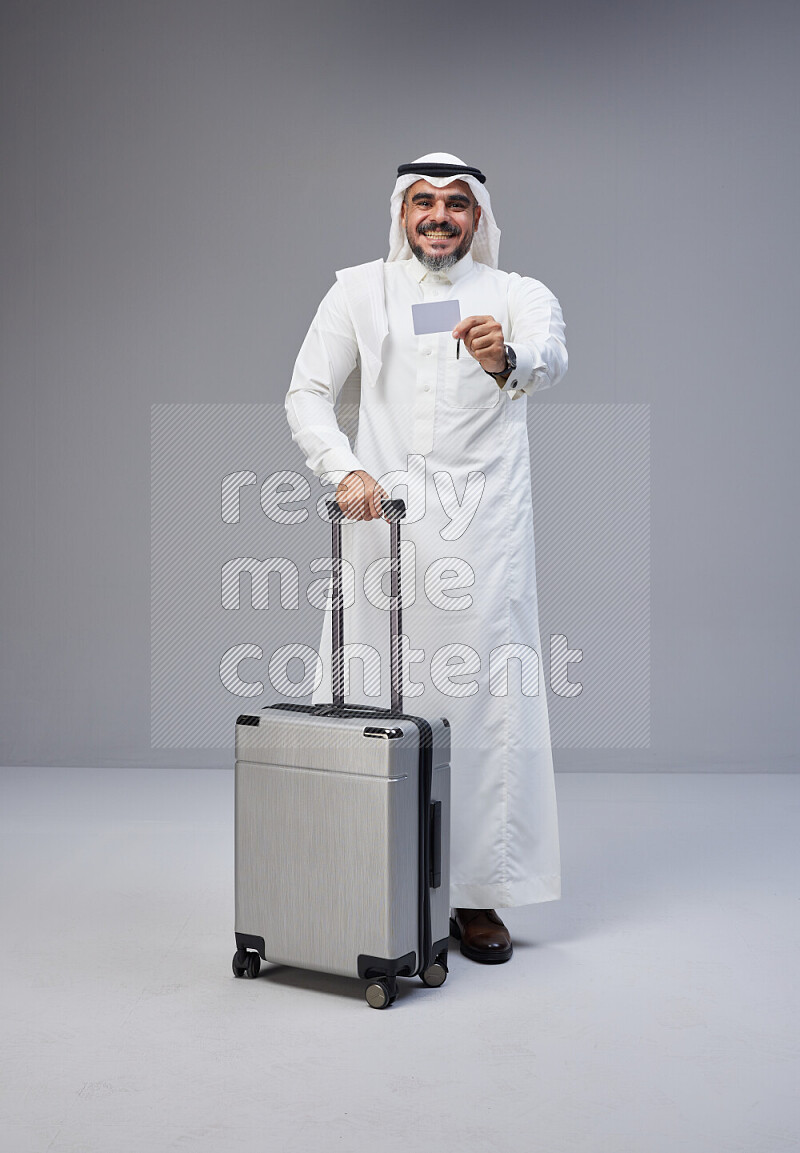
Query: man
[[444, 414]]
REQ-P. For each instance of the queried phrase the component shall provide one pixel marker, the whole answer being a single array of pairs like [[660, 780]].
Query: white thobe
[[437, 430]]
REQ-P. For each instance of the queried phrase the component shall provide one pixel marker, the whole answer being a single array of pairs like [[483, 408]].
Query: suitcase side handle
[[435, 856], [394, 511]]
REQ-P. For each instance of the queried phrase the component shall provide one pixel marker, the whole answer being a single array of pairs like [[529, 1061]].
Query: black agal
[[430, 168]]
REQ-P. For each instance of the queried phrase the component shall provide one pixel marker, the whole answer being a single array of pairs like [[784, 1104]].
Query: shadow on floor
[[331, 983]]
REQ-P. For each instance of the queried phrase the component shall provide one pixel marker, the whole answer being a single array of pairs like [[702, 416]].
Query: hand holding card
[[484, 340]]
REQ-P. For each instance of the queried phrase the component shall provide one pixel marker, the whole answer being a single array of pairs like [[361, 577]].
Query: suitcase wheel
[[246, 964], [382, 993], [435, 975]]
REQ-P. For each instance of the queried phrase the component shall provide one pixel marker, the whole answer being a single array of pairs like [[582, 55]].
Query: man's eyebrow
[[459, 196]]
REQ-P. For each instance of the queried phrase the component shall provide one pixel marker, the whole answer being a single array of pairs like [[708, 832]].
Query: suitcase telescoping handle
[[393, 511]]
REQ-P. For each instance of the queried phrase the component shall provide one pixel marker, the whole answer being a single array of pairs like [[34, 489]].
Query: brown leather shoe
[[482, 934]]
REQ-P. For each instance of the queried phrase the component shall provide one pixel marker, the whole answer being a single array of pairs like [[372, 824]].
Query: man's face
[[439, 222]]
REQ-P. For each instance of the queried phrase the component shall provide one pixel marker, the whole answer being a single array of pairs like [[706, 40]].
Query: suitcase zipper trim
[[316, 769]]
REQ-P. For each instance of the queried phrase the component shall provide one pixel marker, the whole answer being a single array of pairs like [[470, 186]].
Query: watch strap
[[510, 365]]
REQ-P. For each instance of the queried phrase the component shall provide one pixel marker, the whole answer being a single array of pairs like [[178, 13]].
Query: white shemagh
[[486, 242]]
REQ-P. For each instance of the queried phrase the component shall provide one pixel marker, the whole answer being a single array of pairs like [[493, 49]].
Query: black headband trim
[[429, 168]]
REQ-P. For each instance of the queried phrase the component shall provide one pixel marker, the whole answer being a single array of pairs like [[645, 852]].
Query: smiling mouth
[[439, 235]]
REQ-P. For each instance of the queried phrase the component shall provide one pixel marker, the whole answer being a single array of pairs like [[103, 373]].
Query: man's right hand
[[359, 496]]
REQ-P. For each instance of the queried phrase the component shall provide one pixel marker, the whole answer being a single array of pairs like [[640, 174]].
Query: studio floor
[[654, 1009]]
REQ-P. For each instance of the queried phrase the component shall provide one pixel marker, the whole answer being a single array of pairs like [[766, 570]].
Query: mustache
[[447, 228]]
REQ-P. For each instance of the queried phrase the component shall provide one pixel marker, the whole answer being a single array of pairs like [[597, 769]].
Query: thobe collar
[[449, 276]]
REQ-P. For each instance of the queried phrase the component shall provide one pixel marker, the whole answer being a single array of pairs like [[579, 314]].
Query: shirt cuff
[[339, 460], [530, 369]]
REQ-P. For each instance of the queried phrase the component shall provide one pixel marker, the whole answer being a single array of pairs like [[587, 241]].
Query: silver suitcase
[[343, 827]]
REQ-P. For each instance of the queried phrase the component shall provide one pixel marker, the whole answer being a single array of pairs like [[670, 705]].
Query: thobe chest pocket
[[467, 385]]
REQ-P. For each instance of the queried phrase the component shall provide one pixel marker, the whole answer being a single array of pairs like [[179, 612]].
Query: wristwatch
[[511, 363]]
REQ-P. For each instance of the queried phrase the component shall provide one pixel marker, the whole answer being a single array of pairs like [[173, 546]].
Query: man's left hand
[[483, 338]]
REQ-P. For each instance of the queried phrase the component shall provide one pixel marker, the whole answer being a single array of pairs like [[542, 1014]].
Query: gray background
[[180, 180]]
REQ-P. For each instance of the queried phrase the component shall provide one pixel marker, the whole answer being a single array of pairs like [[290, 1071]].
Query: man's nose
[[440, 210]]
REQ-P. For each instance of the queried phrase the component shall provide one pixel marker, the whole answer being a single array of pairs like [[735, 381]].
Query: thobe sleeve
[[537, 337], [328, 355]]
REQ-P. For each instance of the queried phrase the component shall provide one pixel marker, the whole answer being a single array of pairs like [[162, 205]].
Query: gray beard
[[441, 263]]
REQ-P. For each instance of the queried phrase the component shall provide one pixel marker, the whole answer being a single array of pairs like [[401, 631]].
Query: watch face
[[510, 357]]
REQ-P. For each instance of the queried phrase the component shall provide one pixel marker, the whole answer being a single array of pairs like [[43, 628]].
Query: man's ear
[[476, 216], [403, 213]]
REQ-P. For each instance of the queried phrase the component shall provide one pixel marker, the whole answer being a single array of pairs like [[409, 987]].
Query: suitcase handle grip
[[391, 509]]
